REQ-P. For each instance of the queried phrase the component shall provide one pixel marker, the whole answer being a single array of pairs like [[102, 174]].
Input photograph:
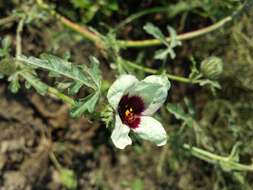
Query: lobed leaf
[[86, 105], [60, 66]]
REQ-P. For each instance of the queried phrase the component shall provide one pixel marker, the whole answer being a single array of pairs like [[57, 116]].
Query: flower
[[134, 102]]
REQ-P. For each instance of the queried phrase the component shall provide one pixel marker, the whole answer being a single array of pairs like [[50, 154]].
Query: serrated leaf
[[74, 88], [27, 85], [86, 105], [95, 71], [53, 74], [63, 85], [14, 83], [162, 54], [36, 83], [179, 113], [156, 32], [210, 82], [173, 35], [64, 68], [7, 66]]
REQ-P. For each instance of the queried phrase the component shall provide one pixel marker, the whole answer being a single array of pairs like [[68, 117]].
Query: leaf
[[162, 54], [86, 105], [174, 42], [234, 155], [7, 66], [173, 35], [95, 72], [14, 83], [74, 88], [179, 113], [156, 32], [6, 42], [137, 185], [57, 65], [35, 82], [68, 178], [63, 85], [81, 75], [212, 83]]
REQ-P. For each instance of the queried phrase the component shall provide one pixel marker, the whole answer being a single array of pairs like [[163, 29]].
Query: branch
[[212, 158], [85, 32], [181, 37], [7, 20], [153, 71]]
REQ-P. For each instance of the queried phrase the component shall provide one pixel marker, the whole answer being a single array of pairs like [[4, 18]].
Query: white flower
[[134, 102]]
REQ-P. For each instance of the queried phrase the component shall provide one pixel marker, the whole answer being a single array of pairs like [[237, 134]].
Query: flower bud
[[212, 67]]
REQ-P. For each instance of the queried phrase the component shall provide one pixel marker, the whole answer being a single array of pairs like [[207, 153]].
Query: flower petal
[[118, 89], [153, 90], [152, 130], [120, 133]]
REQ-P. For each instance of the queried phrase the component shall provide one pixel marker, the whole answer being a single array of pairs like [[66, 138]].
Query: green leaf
[[7, 66], [74, 88], [68, 178], [162, 54], [234, 155], [156, 32], [81, 75], [95, 72], [137, 185], [179, 113], [86, 105], [35, 82], [6, 42], [57, 65], [14, 83]]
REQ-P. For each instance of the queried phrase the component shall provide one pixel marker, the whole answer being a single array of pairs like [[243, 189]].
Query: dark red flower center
[[130, 109]]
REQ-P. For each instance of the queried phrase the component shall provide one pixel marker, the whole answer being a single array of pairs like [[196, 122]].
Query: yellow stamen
[[129, 114]]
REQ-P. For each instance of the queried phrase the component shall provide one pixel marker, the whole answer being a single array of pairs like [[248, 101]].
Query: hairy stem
[[18, 38], [84, 31], [153, 71], [61, 96], [217, 159], [171, 9]]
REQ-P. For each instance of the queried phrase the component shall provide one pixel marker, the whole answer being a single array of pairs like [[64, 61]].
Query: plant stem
[[7, 20], [171, 9], [55, 161], [216, 159], [18, 37], [61, 96], [85, 32], [181, 37], [153, 71]]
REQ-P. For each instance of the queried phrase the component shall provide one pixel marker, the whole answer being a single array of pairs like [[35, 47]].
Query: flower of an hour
[[134, 102]]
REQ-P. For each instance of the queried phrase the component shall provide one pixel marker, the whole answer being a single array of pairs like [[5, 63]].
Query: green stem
[[153, 71], [55, 161], [94, 37], [172, 10], [181, 37], [61, 96], [216, 159]]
